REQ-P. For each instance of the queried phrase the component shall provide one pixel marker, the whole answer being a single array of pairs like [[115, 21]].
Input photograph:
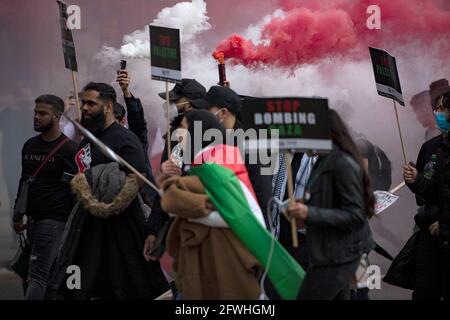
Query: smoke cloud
[[306, 32]]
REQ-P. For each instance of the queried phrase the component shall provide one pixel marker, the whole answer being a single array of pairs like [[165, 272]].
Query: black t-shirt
[[49, 196], [121, 140]]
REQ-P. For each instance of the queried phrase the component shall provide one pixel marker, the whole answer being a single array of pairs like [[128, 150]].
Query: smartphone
[[123, 66]]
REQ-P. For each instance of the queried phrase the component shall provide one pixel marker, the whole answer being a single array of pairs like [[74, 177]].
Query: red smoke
[[314, 30]]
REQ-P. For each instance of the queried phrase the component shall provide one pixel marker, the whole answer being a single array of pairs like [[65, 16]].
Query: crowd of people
[[78, 207]]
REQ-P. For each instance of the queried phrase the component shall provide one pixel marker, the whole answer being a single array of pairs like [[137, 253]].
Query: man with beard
[[45, 158], [106, 232]]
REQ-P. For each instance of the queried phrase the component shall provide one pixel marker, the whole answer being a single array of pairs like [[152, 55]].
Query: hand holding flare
[[220, 57]]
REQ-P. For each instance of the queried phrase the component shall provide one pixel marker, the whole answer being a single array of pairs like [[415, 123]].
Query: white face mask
[[173, 110], [217, 113]]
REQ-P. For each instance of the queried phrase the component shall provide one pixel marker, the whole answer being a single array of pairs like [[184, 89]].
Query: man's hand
[[19, 226], [148, 247], [298, 210], [409, 173], [124, 81], [434, 229]]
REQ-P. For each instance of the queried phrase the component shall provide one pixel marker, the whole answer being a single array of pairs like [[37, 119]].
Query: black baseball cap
[[188, 88], [219, 96]]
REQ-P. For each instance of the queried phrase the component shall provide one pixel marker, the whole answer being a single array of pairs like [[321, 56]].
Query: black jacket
[[338, 230], [108, 250], [428, 213], [437, 189], [138, 125]]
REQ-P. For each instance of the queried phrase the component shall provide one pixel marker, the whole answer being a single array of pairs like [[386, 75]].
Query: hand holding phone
[[122, 66]]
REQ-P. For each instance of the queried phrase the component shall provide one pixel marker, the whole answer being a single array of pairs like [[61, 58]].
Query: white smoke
[[189, 17], [336, 79]]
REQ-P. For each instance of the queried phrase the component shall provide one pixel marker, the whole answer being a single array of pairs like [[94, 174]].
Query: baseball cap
[[437, 89], [219, 96], [188, 88]]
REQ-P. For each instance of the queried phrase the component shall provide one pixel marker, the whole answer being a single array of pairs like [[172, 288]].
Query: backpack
[[380, 169], [381, 175]]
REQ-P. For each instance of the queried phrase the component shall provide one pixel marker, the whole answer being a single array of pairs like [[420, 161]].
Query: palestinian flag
[[225, 178]]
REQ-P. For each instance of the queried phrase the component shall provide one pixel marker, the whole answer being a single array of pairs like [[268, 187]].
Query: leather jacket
[[337, 227]]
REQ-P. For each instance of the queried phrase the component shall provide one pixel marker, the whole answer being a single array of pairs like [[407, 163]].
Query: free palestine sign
[[165, 54], [386, 75]]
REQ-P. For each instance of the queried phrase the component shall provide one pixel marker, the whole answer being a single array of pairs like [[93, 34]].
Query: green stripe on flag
[[223, 187]]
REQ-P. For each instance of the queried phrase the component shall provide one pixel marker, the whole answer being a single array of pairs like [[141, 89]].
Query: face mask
[[441, 121], [216, 115], [173, 111]]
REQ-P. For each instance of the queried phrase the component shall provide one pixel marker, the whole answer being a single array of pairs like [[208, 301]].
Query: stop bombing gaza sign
[[386, 75], [302, 124], [165, 54]]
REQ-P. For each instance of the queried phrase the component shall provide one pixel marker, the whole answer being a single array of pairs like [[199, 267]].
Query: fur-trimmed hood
[[105, 190]]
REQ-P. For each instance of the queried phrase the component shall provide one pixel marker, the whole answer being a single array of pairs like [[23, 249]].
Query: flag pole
[[290, 186], [400, 132], [169, 151], [75, 88]]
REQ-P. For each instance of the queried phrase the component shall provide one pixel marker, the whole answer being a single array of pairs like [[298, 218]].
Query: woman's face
[[440, 108]]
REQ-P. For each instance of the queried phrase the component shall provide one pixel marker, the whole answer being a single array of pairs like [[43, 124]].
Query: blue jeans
[[44, 236]]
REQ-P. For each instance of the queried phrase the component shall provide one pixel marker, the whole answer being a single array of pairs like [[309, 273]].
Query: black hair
[[56, 102], [341, 136], [209, 121], [119, 111], [106, 92]]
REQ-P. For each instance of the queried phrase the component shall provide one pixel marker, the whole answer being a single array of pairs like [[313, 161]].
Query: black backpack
[[381, 171]]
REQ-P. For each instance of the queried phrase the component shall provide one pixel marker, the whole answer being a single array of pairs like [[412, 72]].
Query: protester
[[106, 233], [226, 105], [134, 119], [46, 158], [301, 166], [374, 158], [422, 107], [379, 168], [179, 97], [210, 261], [338, 201], [427, 281], [430, 183]]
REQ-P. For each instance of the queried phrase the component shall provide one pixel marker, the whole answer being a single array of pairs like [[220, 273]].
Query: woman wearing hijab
[[209, 260]]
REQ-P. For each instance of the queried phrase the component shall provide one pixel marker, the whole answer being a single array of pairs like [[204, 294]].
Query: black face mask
[[95, 123]]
